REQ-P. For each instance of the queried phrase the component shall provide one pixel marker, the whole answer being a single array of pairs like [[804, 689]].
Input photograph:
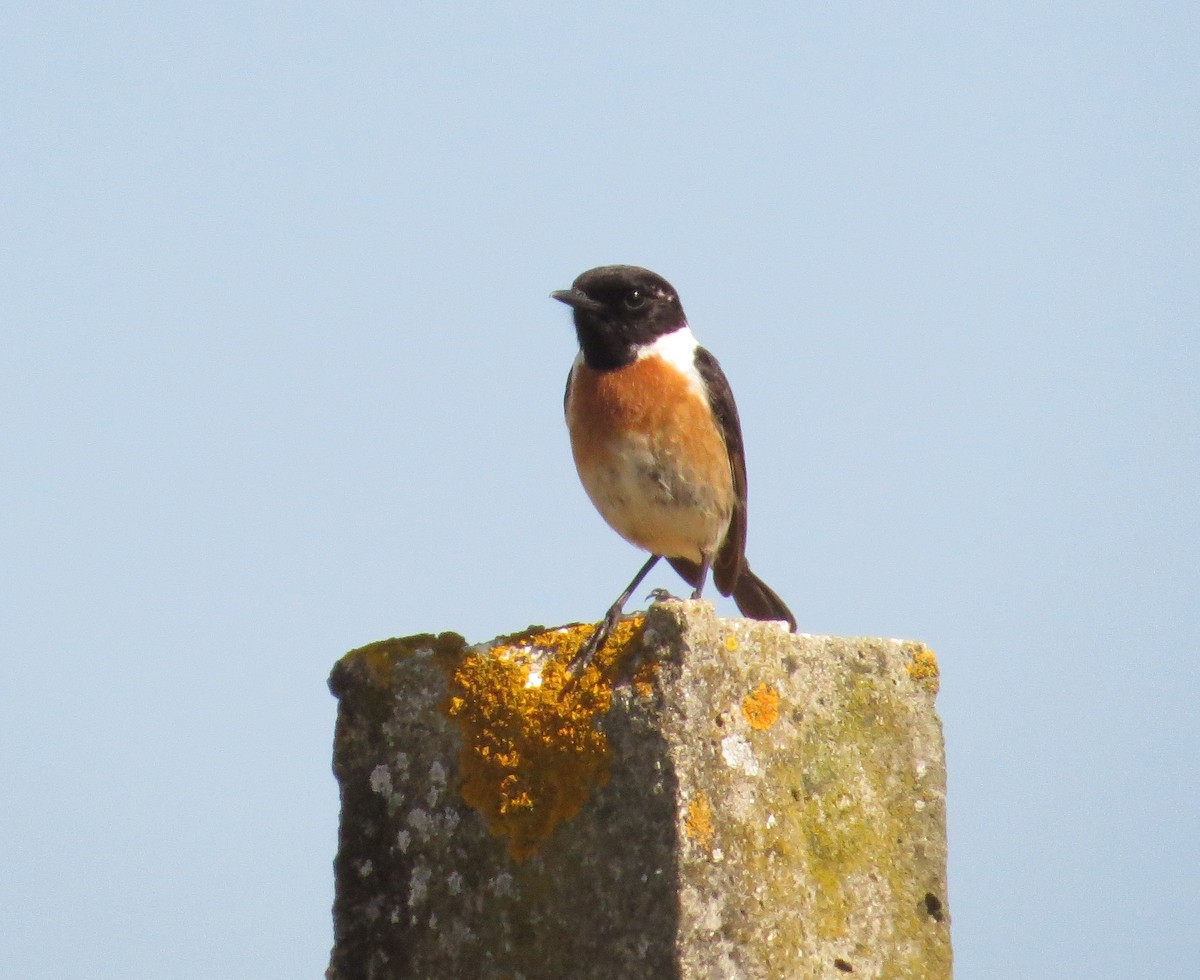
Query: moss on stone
[[379, 658], [775, 807]]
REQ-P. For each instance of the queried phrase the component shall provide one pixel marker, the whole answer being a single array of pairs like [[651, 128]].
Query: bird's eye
[[634, 300]]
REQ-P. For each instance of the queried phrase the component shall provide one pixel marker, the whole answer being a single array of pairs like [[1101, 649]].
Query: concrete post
[[742, 803]]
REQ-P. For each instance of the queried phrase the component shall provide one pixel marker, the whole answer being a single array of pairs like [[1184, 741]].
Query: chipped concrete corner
[[754, 805]]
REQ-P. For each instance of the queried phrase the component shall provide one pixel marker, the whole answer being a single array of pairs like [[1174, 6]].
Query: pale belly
[[652, 501]]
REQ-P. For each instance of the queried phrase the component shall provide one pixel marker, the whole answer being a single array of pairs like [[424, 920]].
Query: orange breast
[[651, 458], [649, 398]]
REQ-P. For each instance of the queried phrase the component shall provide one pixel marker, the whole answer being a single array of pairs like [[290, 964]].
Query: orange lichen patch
[[923, 666], [761, 707], [531, 749], [698, 823], [642, 679]]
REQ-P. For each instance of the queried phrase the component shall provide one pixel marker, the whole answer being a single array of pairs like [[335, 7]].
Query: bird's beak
[[577, 299]]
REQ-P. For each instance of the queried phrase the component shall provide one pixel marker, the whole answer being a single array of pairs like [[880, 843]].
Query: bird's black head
[[619, 309]]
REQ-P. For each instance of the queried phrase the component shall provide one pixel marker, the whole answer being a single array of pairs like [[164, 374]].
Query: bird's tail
[[753, 596], [758, 600]]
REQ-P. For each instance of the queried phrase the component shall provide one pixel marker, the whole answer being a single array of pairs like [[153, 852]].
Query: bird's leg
[[596, 640], [705, 565]]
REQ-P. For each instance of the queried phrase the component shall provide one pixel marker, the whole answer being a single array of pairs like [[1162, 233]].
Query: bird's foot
[[660, 595]]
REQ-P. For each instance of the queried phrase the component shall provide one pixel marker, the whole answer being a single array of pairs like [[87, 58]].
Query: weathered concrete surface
[[774, 808]]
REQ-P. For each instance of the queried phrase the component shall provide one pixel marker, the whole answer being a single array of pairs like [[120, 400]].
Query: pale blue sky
[[280, 377]]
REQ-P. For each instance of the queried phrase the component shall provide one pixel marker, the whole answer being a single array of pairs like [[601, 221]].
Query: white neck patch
[[678, 348]]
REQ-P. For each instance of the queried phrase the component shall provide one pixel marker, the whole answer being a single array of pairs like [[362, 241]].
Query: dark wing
[[567, 389], [727, 565], [730, 570]]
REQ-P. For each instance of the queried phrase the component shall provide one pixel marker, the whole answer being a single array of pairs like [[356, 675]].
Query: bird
[[657, 441]]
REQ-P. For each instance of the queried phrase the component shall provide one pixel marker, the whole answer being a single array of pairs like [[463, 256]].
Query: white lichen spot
[[504, 885], [450, 819], [401, 763], [535, 675], [727, 968], [418, 884], [718, 855], [921, 769], [381, 780], [365, 868], [454, 882], [437, 773], [421, 822], [919, 805], [403, 839], [704, 912], [736, 752], [770, 820], [454, 935], [741, 802]]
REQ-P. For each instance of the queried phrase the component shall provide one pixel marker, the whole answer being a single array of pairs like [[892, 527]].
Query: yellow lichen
[[923, 666], [761, 707], [698, 823], [531, 749], [731, 643]]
